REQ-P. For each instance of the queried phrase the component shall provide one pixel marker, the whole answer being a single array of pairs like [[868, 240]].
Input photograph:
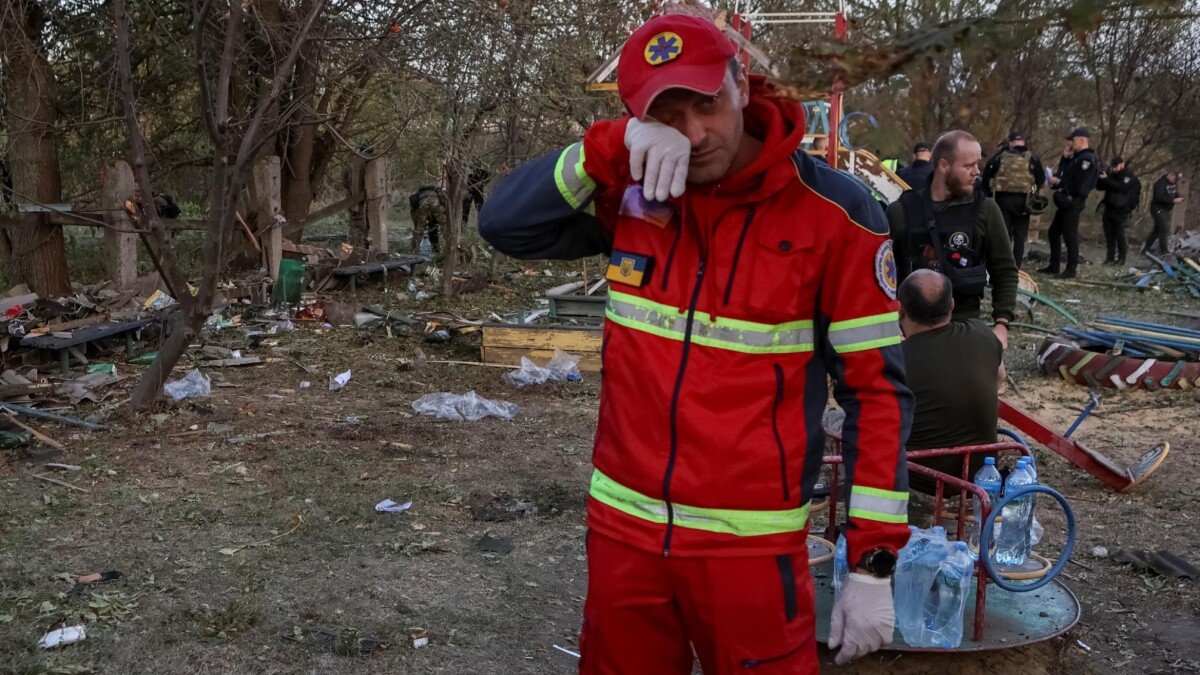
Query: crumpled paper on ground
[[470, 406]]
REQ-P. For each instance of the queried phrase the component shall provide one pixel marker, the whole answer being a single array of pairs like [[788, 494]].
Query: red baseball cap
[[670, 51]]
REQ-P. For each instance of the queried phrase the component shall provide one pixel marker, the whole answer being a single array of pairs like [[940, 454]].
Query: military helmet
[[1036, 203]]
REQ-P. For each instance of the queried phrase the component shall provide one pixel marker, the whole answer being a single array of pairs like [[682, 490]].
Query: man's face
[[1016, 145], [1079, 143], [923, 155], [1119, 167], [960, 170], [713, 124], [1172, 177]]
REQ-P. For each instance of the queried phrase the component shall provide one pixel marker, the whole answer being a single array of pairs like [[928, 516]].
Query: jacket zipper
[[671, 256], [775, 428], [754, 663], [737, 253], [687, 344]]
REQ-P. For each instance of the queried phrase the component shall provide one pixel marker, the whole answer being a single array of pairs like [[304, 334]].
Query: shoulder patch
[[885, 269], [1085, 165]]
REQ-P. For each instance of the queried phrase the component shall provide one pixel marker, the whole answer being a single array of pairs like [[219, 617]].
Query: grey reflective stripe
[[573, 182], [886, 506], [733, 334], [869, 332]]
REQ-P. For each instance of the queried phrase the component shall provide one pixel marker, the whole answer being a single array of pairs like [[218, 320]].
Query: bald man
[[953, 371]]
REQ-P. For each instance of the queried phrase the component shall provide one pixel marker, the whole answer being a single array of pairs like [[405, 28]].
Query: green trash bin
[[290, 283]]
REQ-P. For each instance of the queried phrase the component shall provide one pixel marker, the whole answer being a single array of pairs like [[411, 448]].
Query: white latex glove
[[660, 153], [863, 617]]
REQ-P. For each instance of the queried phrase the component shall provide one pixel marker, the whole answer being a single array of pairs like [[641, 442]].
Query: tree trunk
[[38, 251], [451, 238]]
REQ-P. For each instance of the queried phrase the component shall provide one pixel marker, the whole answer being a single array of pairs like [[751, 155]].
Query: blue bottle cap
[[989, 460], [938, 529], [960, 545]]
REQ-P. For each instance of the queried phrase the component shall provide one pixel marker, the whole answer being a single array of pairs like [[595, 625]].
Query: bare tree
[[235, 142]]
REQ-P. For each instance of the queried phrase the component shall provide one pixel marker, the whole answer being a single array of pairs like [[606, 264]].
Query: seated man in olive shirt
[[953, 371]]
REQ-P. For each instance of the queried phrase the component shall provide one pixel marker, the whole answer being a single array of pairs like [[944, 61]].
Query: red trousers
[[650, 615]]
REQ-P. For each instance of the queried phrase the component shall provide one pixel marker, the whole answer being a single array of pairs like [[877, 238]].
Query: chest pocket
[[773, 273]]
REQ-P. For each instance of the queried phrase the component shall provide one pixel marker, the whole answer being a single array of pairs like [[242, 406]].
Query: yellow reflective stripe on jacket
[[869, 332], [573, 182], [885, 506], [733, 334], [726, 521]]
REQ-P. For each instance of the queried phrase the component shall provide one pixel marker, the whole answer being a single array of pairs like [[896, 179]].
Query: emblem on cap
[[664, 47]]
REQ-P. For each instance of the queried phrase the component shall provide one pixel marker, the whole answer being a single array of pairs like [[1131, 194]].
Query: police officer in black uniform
[[1078, 172], [1122, 192], [917, 173], [1009, 177]]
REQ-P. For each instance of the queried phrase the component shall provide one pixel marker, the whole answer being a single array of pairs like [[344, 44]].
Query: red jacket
[[728, 311]]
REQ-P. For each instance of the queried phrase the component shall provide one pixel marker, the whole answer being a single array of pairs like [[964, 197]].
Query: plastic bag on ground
[[563, 367], [470, 406], [194, 385]]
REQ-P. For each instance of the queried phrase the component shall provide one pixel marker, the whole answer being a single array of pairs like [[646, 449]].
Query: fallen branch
[[58, 482]]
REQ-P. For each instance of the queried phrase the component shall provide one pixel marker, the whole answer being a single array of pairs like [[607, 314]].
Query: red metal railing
[[964, 485]]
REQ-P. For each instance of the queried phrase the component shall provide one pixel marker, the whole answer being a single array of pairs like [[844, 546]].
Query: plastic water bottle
[[916, 568], [947, 597], [988, 479], [841, 569], [1035, 528], [1012, 545], [425, 248]]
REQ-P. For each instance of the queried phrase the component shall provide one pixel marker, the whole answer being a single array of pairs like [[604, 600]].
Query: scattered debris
[[566, 651], [58, 482], [337, 382], [470, 406], [1083, 645], [96, 578], [563, 367], [64, 467], [1164, 563], [389, 506], [193, 385], [1099, 552], [499, 507], [420, 637], [63, 636], [490, 544]]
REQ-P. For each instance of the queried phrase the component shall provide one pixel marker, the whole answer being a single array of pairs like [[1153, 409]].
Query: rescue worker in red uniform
[[744, 274]]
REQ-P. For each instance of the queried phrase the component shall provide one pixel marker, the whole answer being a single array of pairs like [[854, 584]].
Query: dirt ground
[[265, 555]]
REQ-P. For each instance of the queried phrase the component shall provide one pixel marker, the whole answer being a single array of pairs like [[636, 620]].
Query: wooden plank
[[376, 207], [267, 187], [511, 356], [229, 363], [84, 335], [566, 338], [68, 326], [304, 249], [120, 248], [336, 207]]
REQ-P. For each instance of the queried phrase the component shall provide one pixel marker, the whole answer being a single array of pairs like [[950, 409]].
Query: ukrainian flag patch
[[630, 269]]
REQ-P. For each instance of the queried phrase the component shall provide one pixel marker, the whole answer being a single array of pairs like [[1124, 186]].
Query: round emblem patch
[[960, 240], [1085, 165], [885, 269], [663, 48]]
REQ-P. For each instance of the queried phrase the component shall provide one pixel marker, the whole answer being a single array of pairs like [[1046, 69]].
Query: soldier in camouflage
[[1009, 177], [429, 207]]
